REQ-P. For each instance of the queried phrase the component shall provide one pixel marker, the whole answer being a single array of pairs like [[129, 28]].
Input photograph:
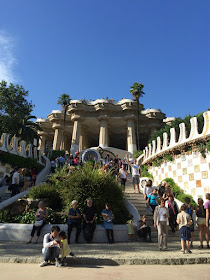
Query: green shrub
[[208, 146], [168, 157], [137, 154], [81, 183], [179, 193], [15, 160], [47, 191], [145, 172]]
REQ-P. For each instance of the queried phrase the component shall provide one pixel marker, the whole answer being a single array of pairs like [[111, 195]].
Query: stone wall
[[191, 172]]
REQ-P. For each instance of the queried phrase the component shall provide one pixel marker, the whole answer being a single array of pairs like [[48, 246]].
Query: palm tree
[[136, 90], [28, 129], [64, 101]]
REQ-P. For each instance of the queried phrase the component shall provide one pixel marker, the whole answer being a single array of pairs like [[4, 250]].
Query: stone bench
[[21, 232]]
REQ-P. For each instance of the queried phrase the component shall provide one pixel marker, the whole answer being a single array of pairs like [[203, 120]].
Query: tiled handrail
[[17, 147], [157, 147]]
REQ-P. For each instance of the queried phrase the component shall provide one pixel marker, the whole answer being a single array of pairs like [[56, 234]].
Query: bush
[[47, 191], [145, 172], [91, 182], [81, 183], [15, 160], [137, 154]]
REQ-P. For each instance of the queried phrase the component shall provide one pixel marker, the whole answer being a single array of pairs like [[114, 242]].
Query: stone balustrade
[[157, 148], [20, 147]]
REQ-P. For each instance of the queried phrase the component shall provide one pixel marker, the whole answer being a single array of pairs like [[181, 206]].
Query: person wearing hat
[[74, 220]]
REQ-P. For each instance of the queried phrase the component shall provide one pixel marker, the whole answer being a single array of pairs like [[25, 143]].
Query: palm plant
[[136, 90], [64, 101], [28, 129]]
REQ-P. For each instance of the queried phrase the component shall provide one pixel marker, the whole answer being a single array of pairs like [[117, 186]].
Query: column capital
[[56, 126], [130, 117], [103, 118], [75, 117]]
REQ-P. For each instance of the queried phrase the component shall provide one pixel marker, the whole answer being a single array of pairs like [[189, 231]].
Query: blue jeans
[[51, 253]]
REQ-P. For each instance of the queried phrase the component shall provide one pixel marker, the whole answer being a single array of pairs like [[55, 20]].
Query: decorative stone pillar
[[131, 136], [103, 134], [43, 142], [75, 136], [57, 137]]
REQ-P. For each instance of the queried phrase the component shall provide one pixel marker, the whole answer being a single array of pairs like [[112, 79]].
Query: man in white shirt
[[50, 248], [15, 181], [135, 175]]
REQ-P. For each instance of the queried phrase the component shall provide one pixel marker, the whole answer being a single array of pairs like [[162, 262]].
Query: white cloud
[[7, 58]]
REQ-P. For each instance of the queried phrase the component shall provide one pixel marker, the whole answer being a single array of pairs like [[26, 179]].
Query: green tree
[[15, 112], [64, 101]]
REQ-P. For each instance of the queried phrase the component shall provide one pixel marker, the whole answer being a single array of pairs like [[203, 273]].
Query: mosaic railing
[[19, 147], [157, 148]]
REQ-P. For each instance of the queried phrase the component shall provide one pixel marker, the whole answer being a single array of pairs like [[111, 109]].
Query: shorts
[[201, 221], [136, 179]]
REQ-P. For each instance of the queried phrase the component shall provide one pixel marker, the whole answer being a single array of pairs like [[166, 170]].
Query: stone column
[[42, 143], [103, 134], [75, 136], [131, 136], [57, 137]]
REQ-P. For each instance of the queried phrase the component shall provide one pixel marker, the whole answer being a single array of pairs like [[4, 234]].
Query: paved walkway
[[108, 254], [94, 272]]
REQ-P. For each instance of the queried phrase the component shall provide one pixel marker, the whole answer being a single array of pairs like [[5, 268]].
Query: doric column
[[75, 136], [131, 136], [103, 133], [57, 137]]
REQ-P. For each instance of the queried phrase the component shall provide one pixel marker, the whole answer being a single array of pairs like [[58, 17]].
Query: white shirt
[[48, 242], [15, 175], [147, 190], [122, 173], [162, 213], [135, 169]]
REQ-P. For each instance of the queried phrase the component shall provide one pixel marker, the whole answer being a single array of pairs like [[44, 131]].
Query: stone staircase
[[137, 200]]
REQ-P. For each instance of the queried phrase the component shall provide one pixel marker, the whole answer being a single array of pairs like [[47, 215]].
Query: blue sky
[[99, 48]]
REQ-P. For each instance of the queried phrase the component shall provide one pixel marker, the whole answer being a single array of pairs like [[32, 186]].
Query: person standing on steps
[[201, 222], [74, 220], [161, 216], [136, 173], [152, 200]]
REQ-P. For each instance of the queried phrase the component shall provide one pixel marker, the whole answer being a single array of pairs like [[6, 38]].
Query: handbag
[[38, 223]]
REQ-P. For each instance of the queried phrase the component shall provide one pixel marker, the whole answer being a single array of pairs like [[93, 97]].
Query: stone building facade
[[101, 123]]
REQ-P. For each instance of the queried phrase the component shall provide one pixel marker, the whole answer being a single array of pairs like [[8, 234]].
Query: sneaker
[[189, 252], [43, 263], [28, 242], [35, 242], [200, 247], [182, 251], [57, 264]]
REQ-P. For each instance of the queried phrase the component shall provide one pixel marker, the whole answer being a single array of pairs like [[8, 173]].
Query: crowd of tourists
[[18, 181], [166, 213]]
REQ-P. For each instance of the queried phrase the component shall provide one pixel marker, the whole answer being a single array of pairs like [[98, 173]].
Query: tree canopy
[[136, 90], [15, 112]]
